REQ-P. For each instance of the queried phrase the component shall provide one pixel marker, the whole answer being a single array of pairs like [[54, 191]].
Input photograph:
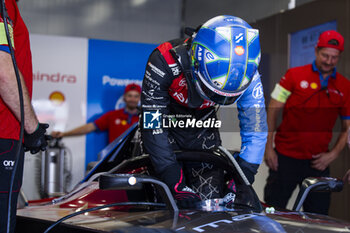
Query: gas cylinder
[[53, 177]]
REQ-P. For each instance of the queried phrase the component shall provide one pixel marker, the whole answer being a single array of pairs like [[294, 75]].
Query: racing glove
[[249, 169], [37, 140], [184, 196]]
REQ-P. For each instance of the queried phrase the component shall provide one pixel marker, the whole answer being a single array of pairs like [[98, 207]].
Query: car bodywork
[[147, 206]]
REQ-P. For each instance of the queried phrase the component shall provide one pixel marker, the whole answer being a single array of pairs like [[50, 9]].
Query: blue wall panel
[[111, 66]]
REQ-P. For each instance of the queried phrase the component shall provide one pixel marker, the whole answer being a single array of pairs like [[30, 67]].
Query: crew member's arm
[[9, 93], [34, 135], [253, 126], [322, 160], [279, 97], [273, 111], [84, 129]]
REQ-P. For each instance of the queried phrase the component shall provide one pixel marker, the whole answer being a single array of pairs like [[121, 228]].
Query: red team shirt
[[116, 122], [9, 125], [310, 111]]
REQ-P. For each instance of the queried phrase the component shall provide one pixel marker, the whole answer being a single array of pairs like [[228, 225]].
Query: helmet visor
[[214, 95]]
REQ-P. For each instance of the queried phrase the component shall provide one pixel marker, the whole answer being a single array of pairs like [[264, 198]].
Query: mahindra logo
[[55, 78], [8, 163]]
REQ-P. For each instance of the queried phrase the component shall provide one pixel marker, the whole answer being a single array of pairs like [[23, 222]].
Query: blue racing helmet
[[225, 55]]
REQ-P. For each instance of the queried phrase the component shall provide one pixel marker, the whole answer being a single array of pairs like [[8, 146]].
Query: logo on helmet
[[217, 83], [238, 38], [199, 53], [209, 56], [239, 50], [225, 56]]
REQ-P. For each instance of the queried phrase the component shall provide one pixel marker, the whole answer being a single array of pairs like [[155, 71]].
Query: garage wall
[[144, 21], [274, 33]]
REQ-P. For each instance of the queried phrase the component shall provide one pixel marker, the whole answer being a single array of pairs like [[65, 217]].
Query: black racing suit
[[167, 93]]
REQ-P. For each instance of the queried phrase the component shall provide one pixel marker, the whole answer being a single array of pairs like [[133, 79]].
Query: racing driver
[[186, 80]]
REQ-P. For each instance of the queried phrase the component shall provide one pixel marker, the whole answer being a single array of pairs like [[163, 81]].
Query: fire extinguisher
[[55, 175]]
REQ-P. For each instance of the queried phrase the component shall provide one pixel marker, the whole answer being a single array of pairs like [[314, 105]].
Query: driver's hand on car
[[271, 159], [346, 177]]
